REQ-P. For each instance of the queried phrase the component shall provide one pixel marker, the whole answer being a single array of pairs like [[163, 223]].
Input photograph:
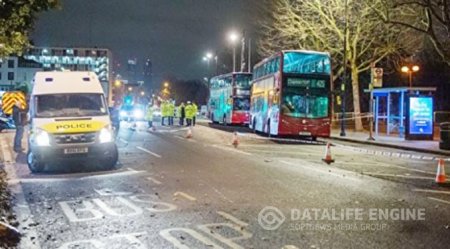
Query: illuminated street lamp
[[410, 71], [117, 83], [166, 84], [130, 89], [233, 37], [142, 93]]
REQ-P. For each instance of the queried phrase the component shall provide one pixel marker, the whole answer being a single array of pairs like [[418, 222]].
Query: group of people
[[169, 112]]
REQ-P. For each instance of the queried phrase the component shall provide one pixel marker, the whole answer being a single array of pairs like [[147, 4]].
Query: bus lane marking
[[167, 235], [149, 152], [432, 191], [230, 217], [102, 243]]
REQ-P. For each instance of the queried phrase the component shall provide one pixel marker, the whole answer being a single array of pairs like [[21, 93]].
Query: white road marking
[[232, 218], [154, 180], [400, 176], [432, 191], [149, 152], [22, 209], [324, 171], [221, 194], [182, 194], [231, 149], [229, 241], [166, 234], [289, 247], [123, 140], [439, 200], [110, 192], [380, 164]]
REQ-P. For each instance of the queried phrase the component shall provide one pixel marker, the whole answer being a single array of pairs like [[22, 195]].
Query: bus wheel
[[268, 128], [254, 125], [34, 164]]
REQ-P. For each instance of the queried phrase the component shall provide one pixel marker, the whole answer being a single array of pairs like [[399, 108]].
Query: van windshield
[[70, 105]]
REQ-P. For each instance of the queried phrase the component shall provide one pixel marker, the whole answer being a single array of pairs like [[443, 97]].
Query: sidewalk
[[391, 142]]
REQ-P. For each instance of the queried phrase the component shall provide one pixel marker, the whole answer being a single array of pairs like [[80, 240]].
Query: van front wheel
[[34, 164], [109, 163]]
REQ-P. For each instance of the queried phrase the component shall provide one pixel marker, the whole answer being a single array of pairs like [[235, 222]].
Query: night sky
[[174, 34]]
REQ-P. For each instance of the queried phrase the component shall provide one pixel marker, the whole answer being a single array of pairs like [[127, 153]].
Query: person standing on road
[[20, 119], [164, 112], [182, 113], [115, 118], [194, 110], [149, 115], [189, 111], [171, 111]]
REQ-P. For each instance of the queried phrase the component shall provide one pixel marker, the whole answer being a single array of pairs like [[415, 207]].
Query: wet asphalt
[[169, 191]]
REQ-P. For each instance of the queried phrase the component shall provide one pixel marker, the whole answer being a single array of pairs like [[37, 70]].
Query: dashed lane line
[[182, 194], [439, 200], [231, 149], [149, 152], [324, 171], [154, 180], [432, 191]]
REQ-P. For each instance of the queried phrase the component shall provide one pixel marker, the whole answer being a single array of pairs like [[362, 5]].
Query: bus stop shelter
[[393, 105]]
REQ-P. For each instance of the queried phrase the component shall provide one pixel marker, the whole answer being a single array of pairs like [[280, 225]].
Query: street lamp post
[[233, 37], [344, 80], [410, 71]]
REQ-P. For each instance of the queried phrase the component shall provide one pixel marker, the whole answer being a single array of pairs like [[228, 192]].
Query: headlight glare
[[105, 136], [42, 138]]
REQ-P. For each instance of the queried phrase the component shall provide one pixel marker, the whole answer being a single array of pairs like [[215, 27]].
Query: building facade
[[16, 71]]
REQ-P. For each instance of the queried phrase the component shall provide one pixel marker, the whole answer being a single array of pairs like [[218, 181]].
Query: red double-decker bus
[[291, 94], [229, 101]]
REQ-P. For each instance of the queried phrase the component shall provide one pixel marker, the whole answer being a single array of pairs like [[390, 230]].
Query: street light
[[410, 71], [166, 84], [130, 89], [233, 38], [142, 93]]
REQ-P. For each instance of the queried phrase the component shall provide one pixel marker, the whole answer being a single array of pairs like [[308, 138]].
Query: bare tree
[[428, 17], [319, 25]]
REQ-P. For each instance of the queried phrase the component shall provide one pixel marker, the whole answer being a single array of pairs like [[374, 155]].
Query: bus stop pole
[[371, 138]]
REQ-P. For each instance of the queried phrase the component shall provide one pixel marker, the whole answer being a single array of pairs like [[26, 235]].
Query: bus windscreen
[[304, 63]]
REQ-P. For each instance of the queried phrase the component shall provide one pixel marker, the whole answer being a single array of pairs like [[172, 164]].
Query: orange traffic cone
[[328, 159], [189, 133], [440, 174], [235, 140]]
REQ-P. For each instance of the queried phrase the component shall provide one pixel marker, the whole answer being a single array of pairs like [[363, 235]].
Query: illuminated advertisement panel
[[420, 115]]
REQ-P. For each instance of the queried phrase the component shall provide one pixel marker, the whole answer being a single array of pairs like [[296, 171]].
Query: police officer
[[182, 113], [164, 112], [20, 119], [171, 111], [189, 110], [194, 110], [149, 115]]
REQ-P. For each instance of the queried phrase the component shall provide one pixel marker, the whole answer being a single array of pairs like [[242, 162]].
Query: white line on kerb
[[191, 198], [432, 191], [232, 218], [149, 152], [154, 180], [439, 200]]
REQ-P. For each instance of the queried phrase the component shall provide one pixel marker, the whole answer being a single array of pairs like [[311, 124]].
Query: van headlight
[[138, 114], [105, 136], [42, 138]]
